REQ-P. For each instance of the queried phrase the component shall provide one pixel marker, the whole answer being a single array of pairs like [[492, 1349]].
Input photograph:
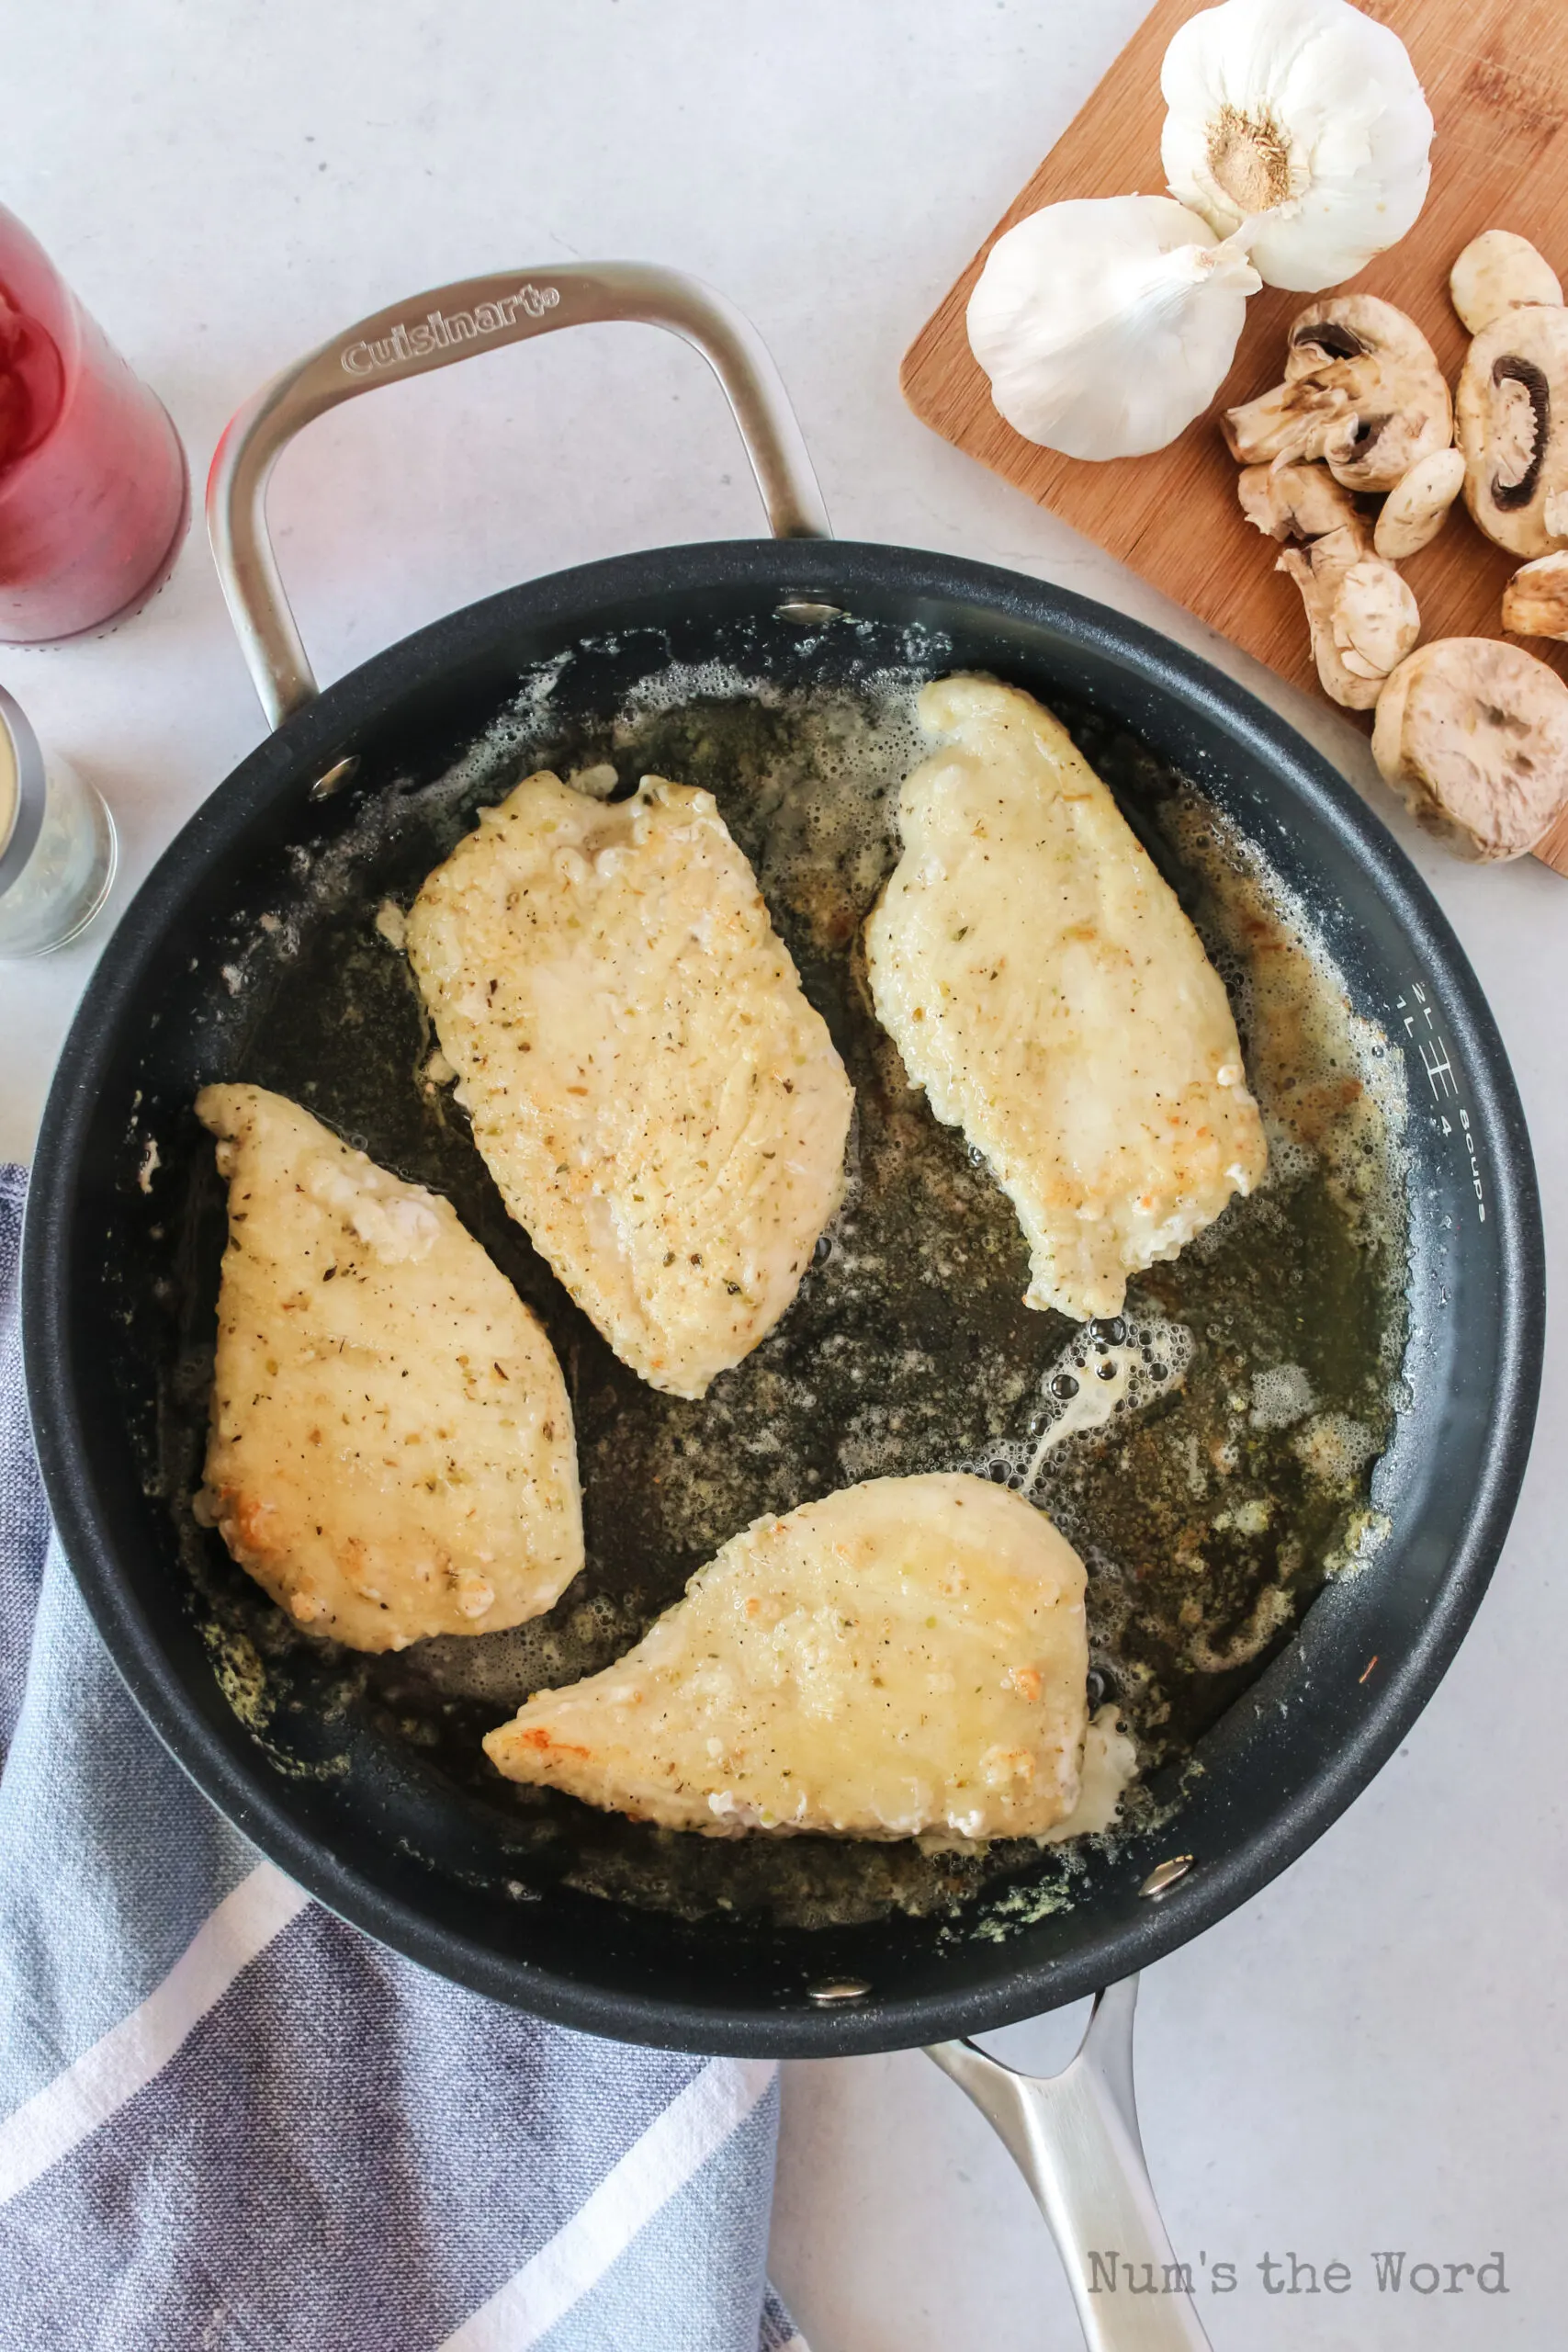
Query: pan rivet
[[838, 1988], [806, 614], [336, 777], [1166, 1875]]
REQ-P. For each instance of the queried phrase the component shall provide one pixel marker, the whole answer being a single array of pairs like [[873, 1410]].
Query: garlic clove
[[1300, 123], [1496, 271], [1473, 733], [1107, 323], [1417, 506], [1535, 602]]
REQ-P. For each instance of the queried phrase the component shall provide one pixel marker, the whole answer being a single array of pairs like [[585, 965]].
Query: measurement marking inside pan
[[1415, 1012]]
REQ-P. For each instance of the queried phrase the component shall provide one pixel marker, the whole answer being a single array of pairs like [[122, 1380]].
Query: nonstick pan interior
[[252, 953]]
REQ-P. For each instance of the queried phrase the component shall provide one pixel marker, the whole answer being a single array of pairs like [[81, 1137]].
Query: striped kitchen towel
[[228, 2120]]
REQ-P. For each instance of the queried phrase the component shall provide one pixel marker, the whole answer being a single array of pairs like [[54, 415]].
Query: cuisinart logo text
[[440, 330]]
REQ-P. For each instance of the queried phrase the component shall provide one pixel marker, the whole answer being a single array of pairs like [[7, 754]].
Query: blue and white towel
[[230, 2123]]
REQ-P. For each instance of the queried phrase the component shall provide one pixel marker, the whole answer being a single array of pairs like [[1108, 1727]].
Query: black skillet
[[109, 1275]]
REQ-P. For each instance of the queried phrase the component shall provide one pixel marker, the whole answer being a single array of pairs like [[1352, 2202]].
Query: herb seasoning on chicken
[[903, 1657], [658, 1102], [1043, 985], [391, 1453]]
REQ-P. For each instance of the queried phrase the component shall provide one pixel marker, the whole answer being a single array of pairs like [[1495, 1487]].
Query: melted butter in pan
[[1211, 1481]]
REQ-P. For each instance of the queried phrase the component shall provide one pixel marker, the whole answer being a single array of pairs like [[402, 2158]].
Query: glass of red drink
[[94, 490]]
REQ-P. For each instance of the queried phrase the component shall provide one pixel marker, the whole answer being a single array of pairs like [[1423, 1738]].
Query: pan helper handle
[[1075, 2138], [434, 330]]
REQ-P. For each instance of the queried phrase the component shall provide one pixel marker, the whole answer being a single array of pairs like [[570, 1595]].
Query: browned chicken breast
[[658, 1102], [1041, 982], [391, 1453], [908, 1656]]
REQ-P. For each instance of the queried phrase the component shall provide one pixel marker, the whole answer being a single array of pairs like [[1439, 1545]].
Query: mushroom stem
[[1535, 602], [1295, 501], [1362, 615]]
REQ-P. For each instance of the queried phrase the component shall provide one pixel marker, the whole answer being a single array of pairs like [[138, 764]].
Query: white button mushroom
[[1296, 502], [1496, 271], [1535, 602], [1513, 425], [1473, 733], [1362, 615], [1362, 390], [1417, 506], [1374, 619]]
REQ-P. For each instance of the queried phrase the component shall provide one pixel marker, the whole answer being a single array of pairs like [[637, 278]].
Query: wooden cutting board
[[1495, 73]]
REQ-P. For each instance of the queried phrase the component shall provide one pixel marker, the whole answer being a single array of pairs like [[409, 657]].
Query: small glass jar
[[57, 844]]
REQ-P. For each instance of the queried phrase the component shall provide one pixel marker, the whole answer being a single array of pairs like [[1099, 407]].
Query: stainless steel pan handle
[[434, 329], [1075, 2138]]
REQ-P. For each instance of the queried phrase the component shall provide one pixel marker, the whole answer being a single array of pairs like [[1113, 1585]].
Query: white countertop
[[1373, 2054]]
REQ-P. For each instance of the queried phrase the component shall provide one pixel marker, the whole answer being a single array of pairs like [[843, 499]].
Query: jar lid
[[22, 790]]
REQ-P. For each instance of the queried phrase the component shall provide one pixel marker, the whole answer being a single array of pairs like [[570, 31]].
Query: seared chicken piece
[[1043, 986], [658, 1102], [391, 1449], [905, 1656]]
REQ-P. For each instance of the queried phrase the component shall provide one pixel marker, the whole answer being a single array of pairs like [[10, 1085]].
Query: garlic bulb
[[1303, 120], [1107, 323]]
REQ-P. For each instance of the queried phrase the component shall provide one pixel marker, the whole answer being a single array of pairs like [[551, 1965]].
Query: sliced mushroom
[[1416, 507], [1293, 423], [1474, 734], [1496, 271], [1375, 617], [1362, 390], [1535, 602], [1362, 616], [1295, 501], [1513, 425]]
